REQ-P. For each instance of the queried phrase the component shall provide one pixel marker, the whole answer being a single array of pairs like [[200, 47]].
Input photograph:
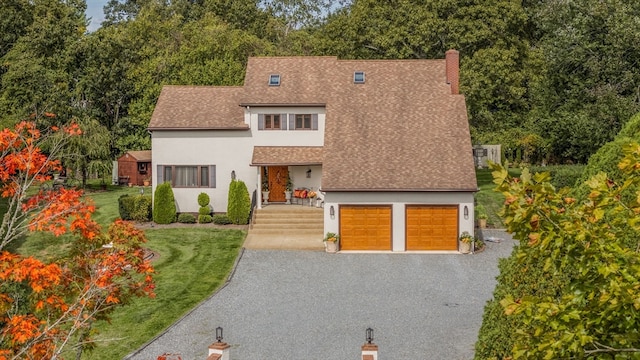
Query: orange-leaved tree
[[47, 307]]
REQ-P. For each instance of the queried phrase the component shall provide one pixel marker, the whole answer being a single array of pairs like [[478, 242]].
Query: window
[[303, 122], [187, 176], [358, 77], [274, 80], [272, 121], [142, 168]]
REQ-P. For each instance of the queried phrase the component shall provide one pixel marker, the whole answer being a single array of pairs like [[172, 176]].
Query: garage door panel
[[365, 227], [432, 228]]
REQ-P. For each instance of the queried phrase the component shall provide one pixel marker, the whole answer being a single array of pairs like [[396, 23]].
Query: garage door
[[365, 227], [432, 227]]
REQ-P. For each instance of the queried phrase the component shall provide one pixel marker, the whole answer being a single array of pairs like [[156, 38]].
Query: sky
[[94, 11]]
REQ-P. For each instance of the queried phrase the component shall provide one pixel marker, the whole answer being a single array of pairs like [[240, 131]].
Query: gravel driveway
[[312, 305]]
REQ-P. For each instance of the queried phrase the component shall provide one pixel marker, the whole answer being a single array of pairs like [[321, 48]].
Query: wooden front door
[[277, 183]]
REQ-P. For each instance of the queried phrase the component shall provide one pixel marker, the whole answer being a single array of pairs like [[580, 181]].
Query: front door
[[277, 183]]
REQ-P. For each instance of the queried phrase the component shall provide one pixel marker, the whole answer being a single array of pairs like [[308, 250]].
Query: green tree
[[588, 249], [239, 203]]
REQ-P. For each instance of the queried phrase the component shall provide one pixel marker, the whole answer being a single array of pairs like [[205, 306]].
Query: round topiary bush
[[203, 199], [164, 205], [204, 219], [204, 210]]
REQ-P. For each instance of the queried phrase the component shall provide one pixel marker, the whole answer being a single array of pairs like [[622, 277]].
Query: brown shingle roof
[[140, 155], [401, 130], [198, 107], [286, 155]]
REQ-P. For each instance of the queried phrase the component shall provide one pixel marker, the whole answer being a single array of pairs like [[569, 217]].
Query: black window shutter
[[260, 121], [314, 121]]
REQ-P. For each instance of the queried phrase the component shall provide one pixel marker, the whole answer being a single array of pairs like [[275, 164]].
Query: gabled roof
[[139, 155], [198, 107]]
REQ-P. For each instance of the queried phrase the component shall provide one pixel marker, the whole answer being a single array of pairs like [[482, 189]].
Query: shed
[[134, 167]]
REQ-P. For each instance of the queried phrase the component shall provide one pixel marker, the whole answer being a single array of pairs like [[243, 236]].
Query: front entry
[[277, 183]]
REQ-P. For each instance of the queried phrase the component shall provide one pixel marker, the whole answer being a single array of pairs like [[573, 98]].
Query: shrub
[[186, 218], [239, 204], [204, 210], [561, 175], [204, 219], [203, 199], [221, 219], [126, 204], [141, 208], [164, 205]]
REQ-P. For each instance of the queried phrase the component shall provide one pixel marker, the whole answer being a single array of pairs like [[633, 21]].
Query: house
[[385, 142], [134, 167]]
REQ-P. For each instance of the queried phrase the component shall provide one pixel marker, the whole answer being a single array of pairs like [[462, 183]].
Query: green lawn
[[491, 200], [191, 263]]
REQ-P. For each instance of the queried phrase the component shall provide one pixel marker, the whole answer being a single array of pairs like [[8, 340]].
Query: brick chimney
[[452, 58]]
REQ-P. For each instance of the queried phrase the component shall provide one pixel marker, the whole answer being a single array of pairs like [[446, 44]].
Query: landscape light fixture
[[466, 212], [369, 335], [219, 334]]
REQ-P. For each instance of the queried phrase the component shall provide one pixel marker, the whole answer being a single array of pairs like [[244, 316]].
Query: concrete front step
[[289, 217], [289, 226], [288, 232], [283, 242]]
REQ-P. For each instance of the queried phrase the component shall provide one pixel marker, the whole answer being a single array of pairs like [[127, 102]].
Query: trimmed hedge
[[141, 208], [164, 205], [204, 219], [126, 204], [561, 175], [204, 210], [221, 219], [186, 218]]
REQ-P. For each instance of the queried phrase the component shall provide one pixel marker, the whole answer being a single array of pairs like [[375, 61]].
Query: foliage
[[46, 307], [588, 252], [265, 179], [561, 175], [221, 219], [164, 205], [126, 204], [203, 199], [186, 218], [204, 210], [465, 237], [239, 204], [481, 212], [205, 219], [331, 237], [142, 208]]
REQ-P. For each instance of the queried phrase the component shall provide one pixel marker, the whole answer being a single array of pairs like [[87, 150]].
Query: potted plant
[[464, 242], [481, 215], [331, 242], [312, 197], [265, 187], [288, 189], [147, 181]]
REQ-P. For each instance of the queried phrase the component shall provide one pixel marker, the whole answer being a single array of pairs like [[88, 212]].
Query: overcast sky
[[94, 11]]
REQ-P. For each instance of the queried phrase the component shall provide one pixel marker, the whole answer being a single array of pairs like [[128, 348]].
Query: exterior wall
[[231, 150], [398, 201]]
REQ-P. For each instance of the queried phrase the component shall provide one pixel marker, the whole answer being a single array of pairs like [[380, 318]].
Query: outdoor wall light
[[369, 335], [219, 334], [466, 212], [308, 173], [332, 212], [233, 174]]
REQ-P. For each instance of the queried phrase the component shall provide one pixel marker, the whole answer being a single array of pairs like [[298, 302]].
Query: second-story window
[[272, 121], [303, 122]]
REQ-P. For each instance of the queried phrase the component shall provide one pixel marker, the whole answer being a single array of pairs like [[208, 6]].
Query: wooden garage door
[[365, 227], [432, 227]]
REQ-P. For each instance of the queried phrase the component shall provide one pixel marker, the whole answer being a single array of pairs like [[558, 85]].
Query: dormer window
[[274, 80], [358, 77]]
